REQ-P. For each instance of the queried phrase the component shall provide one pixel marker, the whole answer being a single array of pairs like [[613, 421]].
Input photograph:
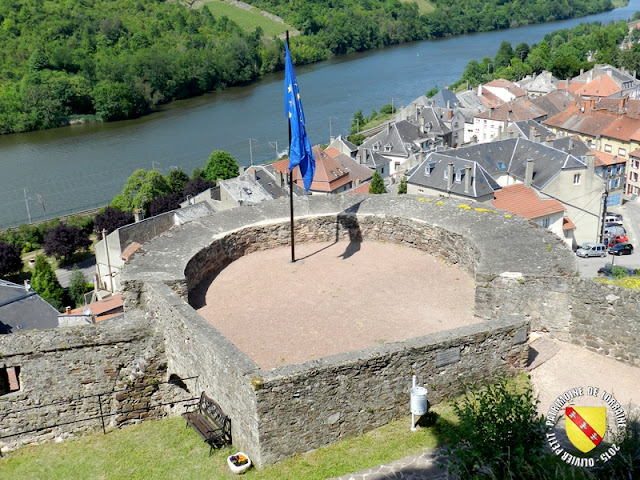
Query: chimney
[[467, 178], [27, 285], [357, 182], [421, 125], [241, 170], [549, 140], [528, 172], [590, 158], [138, 215], [449, 175], [68, 310], [389, 127], [252, 174], [532, 132], [479, 90], [622, 103], [363, 156], [581, 71]]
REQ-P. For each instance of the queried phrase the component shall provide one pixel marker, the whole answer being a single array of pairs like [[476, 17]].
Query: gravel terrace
[[336, 298]]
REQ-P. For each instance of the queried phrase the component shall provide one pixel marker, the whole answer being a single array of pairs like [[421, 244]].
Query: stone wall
[[278, 413], [600, 317], [62, 371]]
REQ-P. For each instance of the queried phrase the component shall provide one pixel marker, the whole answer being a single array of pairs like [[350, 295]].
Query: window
[[545, 222], [636, 164], [459, 174], [576, 179], [429, 168], [501, 166], [387, 147], [607, 148], [622, 152], [9, 380]]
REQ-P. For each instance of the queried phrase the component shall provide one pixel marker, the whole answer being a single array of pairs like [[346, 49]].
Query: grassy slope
[[248, 19], [165, 449], [424, 6]]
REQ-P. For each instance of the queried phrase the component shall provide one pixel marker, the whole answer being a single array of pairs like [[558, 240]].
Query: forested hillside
[[118, 59]]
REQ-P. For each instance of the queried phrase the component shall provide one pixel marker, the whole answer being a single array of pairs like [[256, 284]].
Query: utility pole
[[330, 128], [251, 140], [604, 212], [26, 201]]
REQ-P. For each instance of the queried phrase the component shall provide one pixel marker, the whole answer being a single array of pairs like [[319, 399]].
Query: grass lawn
[[247, 19], [165, 449], [424, 6]]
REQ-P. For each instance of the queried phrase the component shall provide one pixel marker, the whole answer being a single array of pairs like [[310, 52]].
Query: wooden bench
[[213, 426]]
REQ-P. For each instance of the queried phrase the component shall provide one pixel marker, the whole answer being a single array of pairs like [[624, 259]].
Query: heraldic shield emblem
[[585, 426]]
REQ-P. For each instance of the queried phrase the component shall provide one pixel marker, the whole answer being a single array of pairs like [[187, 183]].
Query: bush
[[111, 219], [10, 261], [64, 240], [45, 283], [499, 435]]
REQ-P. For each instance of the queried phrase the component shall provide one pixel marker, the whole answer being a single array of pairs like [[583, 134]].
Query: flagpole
[[293, 247]]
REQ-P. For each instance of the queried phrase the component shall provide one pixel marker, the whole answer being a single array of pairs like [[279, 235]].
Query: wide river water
[[70, 169]]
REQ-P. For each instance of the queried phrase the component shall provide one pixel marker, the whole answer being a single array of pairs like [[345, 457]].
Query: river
[[70, 169]]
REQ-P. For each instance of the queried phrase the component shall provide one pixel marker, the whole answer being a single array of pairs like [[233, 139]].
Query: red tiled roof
[[362, 188], [601, 86], [573, 86], [516, 111], [635, 153], [102, 309], [606, 159], [567, 224], [129, 251], [622, 128], [523, 201], [329, 175], [507, 85]]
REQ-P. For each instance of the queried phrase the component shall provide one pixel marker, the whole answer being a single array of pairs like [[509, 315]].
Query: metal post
[[104, 431], [106, 248], [604, 212], [293, 248], [26, 200]]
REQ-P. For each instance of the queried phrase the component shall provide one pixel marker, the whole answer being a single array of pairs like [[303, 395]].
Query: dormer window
[[387, 147], [501, 166], [459, 175], [429, 168], [376, 146]]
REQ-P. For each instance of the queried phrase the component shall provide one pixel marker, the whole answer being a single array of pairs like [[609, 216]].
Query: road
[[87, 266], [630, 211]]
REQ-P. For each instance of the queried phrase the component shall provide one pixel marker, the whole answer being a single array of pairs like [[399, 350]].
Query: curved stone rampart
[[287, 410]]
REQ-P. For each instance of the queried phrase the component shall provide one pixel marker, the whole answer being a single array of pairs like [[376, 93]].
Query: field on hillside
[[424, 6], [247, 19]]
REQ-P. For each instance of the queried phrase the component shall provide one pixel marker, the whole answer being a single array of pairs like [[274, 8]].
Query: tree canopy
[[141, 188], [111, 219], [45, 283], [377, 184], [221, 165], [10, 260], [64, 240]]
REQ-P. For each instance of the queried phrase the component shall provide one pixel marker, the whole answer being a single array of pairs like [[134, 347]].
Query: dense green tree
[[402, 187], [10, 260], [221, 165], [45, 283], [177, 180], [377, 184], [198, 172], [432, 91], [140, 189], [78, 286], [165, 203]]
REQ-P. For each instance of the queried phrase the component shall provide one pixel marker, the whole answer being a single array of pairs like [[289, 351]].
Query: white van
[[615, 219], [592, 250], [614, 230]]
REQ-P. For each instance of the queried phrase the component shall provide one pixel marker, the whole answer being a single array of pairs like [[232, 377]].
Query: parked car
[[614, 218], [614, 230], [592, 250], [621, 249], [607, 270]]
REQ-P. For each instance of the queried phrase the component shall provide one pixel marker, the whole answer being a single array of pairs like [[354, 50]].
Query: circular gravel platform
[[336, 298]]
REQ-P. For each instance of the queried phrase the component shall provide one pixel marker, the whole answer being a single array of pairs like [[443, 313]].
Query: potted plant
[[239, 463]]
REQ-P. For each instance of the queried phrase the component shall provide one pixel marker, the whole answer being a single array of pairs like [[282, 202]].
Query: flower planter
[[238, 469]]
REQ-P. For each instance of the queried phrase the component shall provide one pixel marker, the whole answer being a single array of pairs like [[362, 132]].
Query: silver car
[[592, 250]]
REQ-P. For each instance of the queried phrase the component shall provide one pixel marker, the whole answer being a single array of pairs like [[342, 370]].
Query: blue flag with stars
[[300, 154]]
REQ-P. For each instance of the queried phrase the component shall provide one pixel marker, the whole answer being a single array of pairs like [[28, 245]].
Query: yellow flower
[[507, 216], [439, 202], [464, 207]]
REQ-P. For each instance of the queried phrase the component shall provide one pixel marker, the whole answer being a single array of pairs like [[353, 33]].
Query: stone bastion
[[522, 274]]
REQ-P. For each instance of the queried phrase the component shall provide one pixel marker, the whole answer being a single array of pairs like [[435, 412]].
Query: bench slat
[[210, 423]]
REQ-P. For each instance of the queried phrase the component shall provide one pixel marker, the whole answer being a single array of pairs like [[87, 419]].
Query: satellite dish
[[86, 311]]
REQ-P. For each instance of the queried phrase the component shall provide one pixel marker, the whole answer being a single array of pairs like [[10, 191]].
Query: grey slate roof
[[525, 126], [431, 174], [396, 140], [510, 156], [22, 309], [469, 99], [445, 98]]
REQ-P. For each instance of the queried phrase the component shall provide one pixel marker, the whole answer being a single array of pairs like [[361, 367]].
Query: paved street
[[87, 266], [630, 211]]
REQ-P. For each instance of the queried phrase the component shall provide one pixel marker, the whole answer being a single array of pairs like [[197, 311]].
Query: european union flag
[[300, 153]]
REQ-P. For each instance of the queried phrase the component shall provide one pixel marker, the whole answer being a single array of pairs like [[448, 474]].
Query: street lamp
[[251, 140], [275, 146]]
